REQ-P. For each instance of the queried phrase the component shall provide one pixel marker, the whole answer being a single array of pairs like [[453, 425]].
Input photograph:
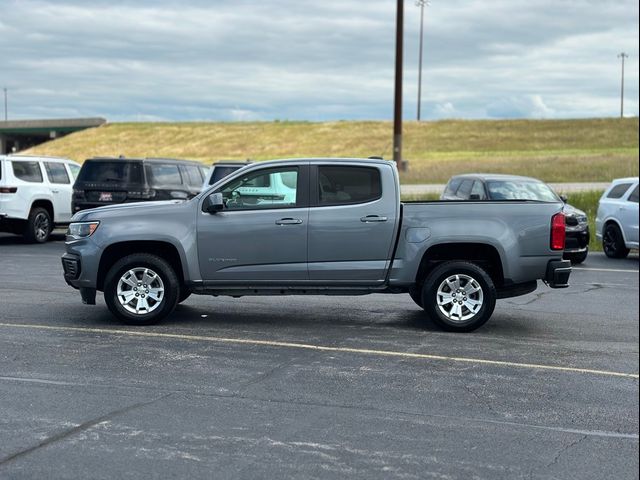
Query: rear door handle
[[55, 191], [373, 218], [289, 221]]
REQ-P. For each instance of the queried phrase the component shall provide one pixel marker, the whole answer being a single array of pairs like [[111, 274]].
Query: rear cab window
[[111, 171], [56, 173], [633, 197], [27, 171], [618, 191], [344, 185]]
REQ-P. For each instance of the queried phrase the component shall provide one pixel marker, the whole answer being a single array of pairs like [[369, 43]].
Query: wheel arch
[[46, 204], [616, 222], [483, 254], [116, 251]]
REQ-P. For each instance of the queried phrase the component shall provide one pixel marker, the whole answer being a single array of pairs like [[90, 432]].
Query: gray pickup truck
[[316, 227]]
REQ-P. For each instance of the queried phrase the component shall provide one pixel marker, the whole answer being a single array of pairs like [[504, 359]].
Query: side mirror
[[563, 198], [474, 196], [214, 203]]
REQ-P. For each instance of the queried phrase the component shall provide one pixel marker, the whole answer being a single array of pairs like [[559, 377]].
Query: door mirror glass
[[214, 203]]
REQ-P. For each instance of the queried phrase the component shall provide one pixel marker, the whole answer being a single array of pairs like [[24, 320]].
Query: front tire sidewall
[[438, 275], [159, 266]]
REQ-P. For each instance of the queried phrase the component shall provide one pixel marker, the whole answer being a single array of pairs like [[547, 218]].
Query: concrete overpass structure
[[17, 135]]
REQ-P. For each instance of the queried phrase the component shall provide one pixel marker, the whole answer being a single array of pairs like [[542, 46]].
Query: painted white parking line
[[605, 270], [322, 348]]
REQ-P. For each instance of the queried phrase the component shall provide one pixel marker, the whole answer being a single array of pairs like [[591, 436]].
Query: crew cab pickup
[[327, 227]]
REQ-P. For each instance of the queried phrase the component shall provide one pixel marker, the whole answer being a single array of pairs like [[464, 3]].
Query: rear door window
[[27, 171], [477, 192], [192, 175], [339, 185], [116, 171], [160, 174], [619, 190], [56, 173], [465, 190]]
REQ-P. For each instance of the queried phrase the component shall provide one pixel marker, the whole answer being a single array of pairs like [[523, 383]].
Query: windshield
[[114, 171], [521, 190]]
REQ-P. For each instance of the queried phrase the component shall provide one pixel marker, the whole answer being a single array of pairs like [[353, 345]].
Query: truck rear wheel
[[459, 296], [141, 289]]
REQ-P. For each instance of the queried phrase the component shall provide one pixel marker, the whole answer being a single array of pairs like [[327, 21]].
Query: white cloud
[[240, 59]]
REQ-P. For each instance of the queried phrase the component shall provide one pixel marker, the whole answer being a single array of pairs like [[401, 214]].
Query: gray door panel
[[351, 242], [253, 245]]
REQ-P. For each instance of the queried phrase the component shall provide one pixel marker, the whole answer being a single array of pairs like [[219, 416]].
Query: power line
[[622, 55]]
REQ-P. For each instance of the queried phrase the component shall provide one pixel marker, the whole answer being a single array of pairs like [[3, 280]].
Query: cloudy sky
[[315, 60]]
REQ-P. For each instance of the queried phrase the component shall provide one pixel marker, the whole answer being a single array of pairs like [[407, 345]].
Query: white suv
[[35, 194], [617, 218]]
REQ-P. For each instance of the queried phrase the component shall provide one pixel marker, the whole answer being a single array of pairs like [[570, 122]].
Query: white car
[[617, 218], [35, 194]]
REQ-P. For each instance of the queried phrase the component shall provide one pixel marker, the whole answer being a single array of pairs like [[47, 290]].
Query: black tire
[[477, 278], [415, 293], [184, 294], [39, 226], [613, 242], [576, 258], [139, 261]]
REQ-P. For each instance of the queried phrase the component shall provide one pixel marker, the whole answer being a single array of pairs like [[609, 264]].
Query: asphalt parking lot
[[317, 387]]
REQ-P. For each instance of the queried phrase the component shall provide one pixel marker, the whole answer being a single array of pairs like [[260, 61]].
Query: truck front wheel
[[141, 289], [459, 296]]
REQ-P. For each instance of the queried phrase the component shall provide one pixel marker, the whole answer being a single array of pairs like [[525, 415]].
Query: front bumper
[[558, 272]]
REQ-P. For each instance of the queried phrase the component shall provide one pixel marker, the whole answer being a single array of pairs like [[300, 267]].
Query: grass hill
[[553, 150]]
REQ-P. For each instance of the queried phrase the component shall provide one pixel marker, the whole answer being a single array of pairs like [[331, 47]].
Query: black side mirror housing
[[563, 198], [214, 203]]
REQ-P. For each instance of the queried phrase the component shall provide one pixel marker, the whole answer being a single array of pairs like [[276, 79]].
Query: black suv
[[105, 181]]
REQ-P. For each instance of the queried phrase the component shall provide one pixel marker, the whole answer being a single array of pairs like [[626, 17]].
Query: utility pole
[[6, 116], [397, 110], [421, 4], [622, 56]]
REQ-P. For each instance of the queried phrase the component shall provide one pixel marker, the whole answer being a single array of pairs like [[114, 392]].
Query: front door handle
[[289, 221], [55, 191], [373, 218]]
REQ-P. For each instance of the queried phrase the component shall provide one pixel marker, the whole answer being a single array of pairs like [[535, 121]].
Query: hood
[[571, 211], [127, 209]]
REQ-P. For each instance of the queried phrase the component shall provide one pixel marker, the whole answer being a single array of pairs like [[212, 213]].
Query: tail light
[[8, 189], [558, 231]]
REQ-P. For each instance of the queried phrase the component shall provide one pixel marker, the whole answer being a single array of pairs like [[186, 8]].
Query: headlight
[[582, 219], [82, 229]]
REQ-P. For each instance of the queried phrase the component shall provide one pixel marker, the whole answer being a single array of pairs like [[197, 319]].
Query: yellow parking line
[[606, 270], [322, 348]]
